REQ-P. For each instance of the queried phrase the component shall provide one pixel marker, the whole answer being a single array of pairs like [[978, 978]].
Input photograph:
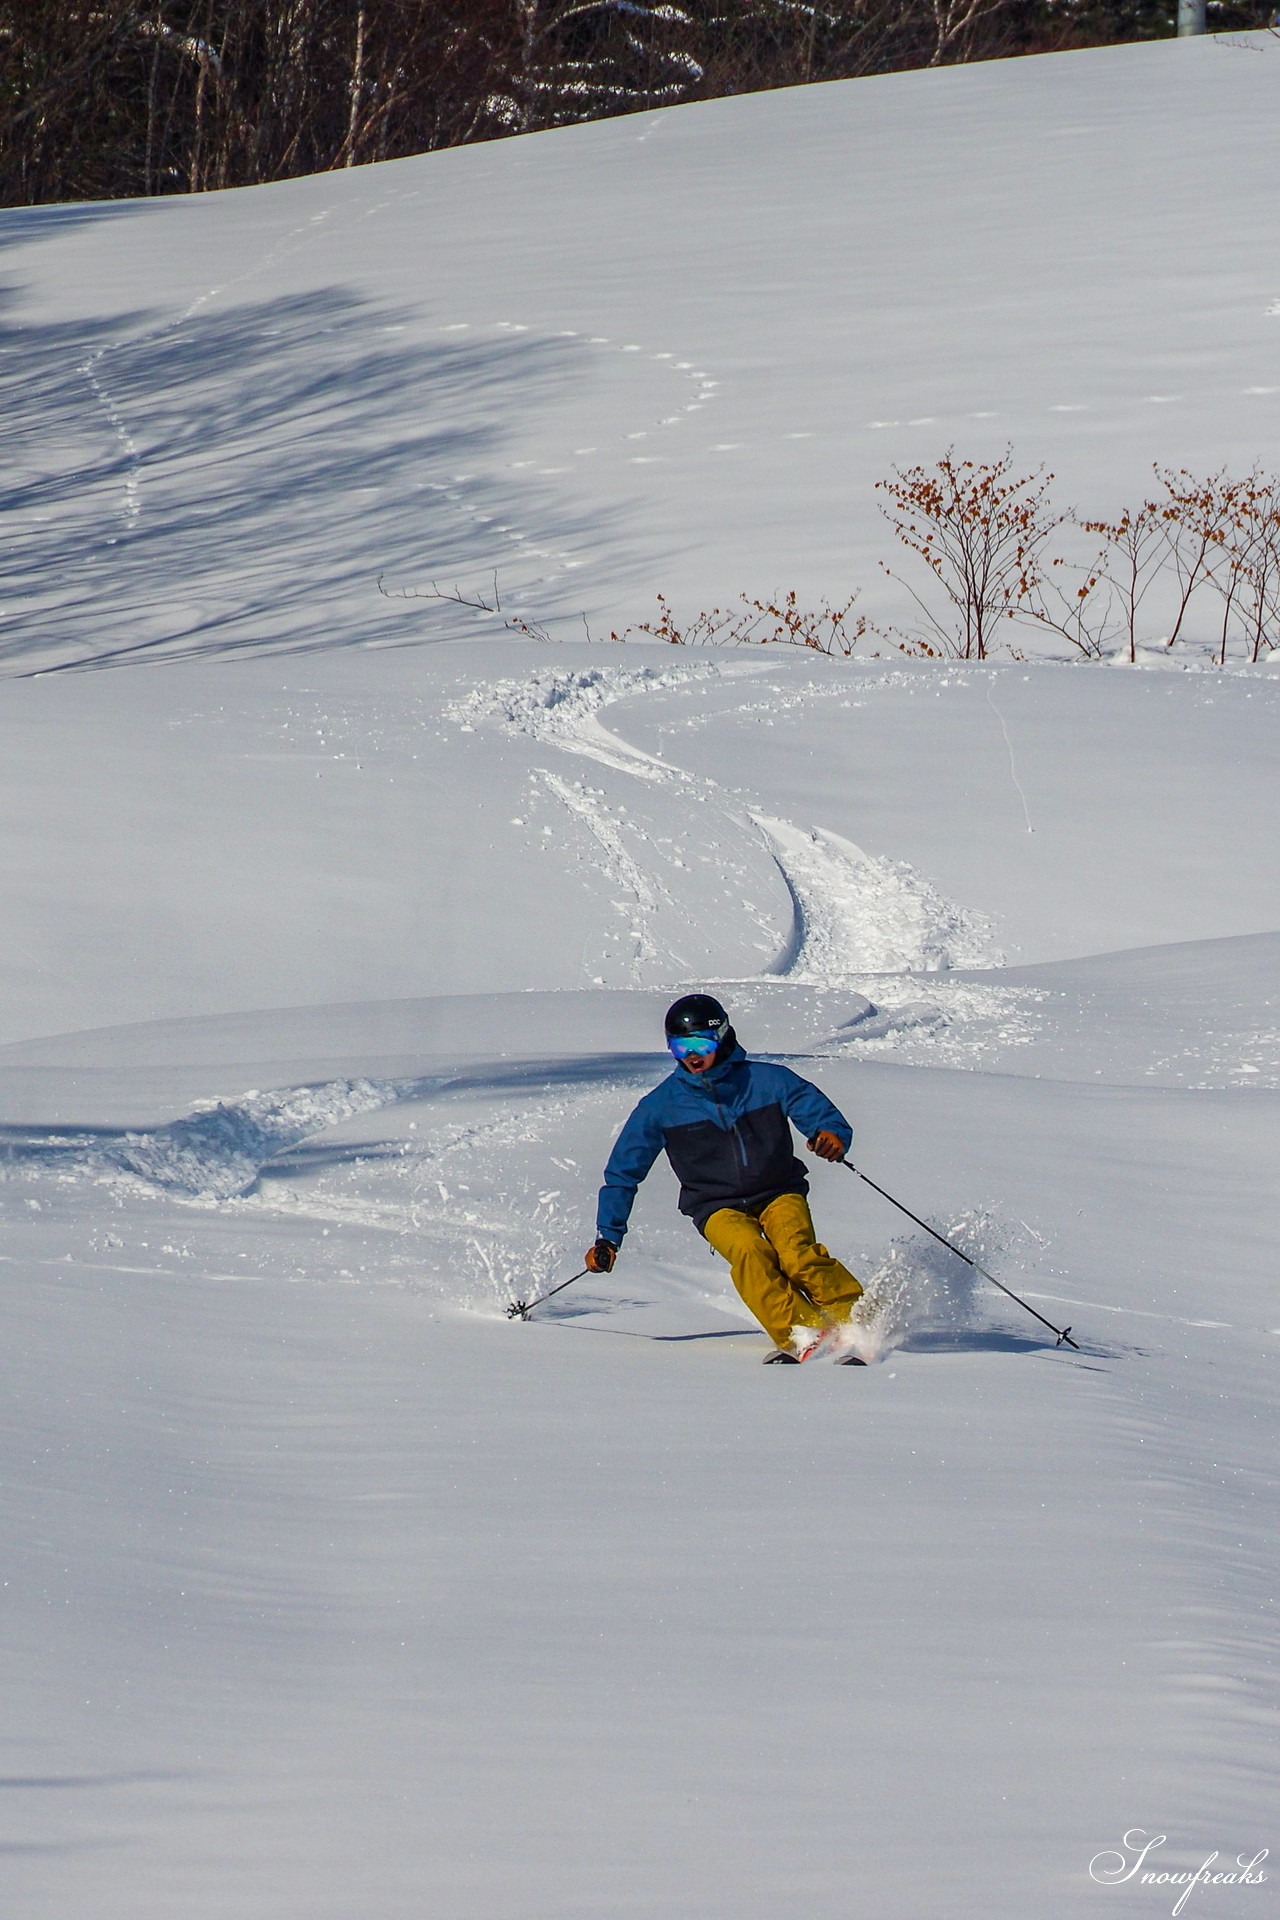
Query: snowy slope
[[471, 819], [331, 969], [670, 353]]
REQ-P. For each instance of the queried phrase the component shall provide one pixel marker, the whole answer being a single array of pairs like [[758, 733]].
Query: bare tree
[[107, 97], [746, 45], [574, 60], [100, 98], [954, 22]]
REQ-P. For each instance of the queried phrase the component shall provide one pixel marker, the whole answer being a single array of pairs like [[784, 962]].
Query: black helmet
[[697, 1013]]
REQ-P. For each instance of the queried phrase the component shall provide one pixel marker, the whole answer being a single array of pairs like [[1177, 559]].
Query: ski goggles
[[700, 1045]]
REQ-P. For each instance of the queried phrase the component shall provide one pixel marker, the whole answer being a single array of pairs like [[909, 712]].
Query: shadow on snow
[[239, 479], [224, 1150]]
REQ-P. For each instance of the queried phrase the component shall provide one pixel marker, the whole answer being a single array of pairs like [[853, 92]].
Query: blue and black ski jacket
[[726, 1135]]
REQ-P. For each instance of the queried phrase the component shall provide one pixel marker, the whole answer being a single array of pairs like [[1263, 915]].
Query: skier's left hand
[[827, 1146]]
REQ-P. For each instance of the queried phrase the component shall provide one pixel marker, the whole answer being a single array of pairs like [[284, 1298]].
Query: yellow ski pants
[[782, 1273]]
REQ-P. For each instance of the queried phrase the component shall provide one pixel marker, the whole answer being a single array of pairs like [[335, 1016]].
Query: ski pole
[[523, 1308], [1063, 1333]]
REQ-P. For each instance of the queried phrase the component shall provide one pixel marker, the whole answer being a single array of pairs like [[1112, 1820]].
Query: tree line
[[103, 99]]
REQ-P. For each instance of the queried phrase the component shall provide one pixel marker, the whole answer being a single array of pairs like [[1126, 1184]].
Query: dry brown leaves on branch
[[759, 623], [981, 533]]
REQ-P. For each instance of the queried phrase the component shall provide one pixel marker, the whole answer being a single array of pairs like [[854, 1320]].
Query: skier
[[723, 1120]]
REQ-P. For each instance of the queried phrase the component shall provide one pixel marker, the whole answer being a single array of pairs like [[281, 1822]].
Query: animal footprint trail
[[93, 370], [530, 547]]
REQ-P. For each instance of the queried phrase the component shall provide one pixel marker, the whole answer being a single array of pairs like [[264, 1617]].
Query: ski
[[823, 1348]]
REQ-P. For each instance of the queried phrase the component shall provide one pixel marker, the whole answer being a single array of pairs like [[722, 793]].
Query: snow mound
[[549, 705], [217, 1152], [888, 1023], [561, 708], [954, 1023], [857, 912]]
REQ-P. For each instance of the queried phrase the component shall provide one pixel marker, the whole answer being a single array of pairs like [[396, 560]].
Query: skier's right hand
[[600, 1258]]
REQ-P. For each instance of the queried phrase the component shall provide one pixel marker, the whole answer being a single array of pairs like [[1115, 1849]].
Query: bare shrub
[[1245, 568], [1263, 580], [1223, 533], [759, 623], [1106, 603], [1196, 516], [1084, 615], [1220, 533], [1133, 553], [981, 533], [476, 602]]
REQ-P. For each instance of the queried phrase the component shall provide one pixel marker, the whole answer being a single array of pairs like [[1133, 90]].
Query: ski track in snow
[[472, 1213], [561, 709], [853, 913], [524, 545], [862, 913], [218, 1151], [480, 1212], [856, 918], [705, 391], [647, 894], [479, 1194], [474, 1210], [93, 369]]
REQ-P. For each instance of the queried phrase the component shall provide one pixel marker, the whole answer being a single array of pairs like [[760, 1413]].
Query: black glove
[[601, 1257]]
